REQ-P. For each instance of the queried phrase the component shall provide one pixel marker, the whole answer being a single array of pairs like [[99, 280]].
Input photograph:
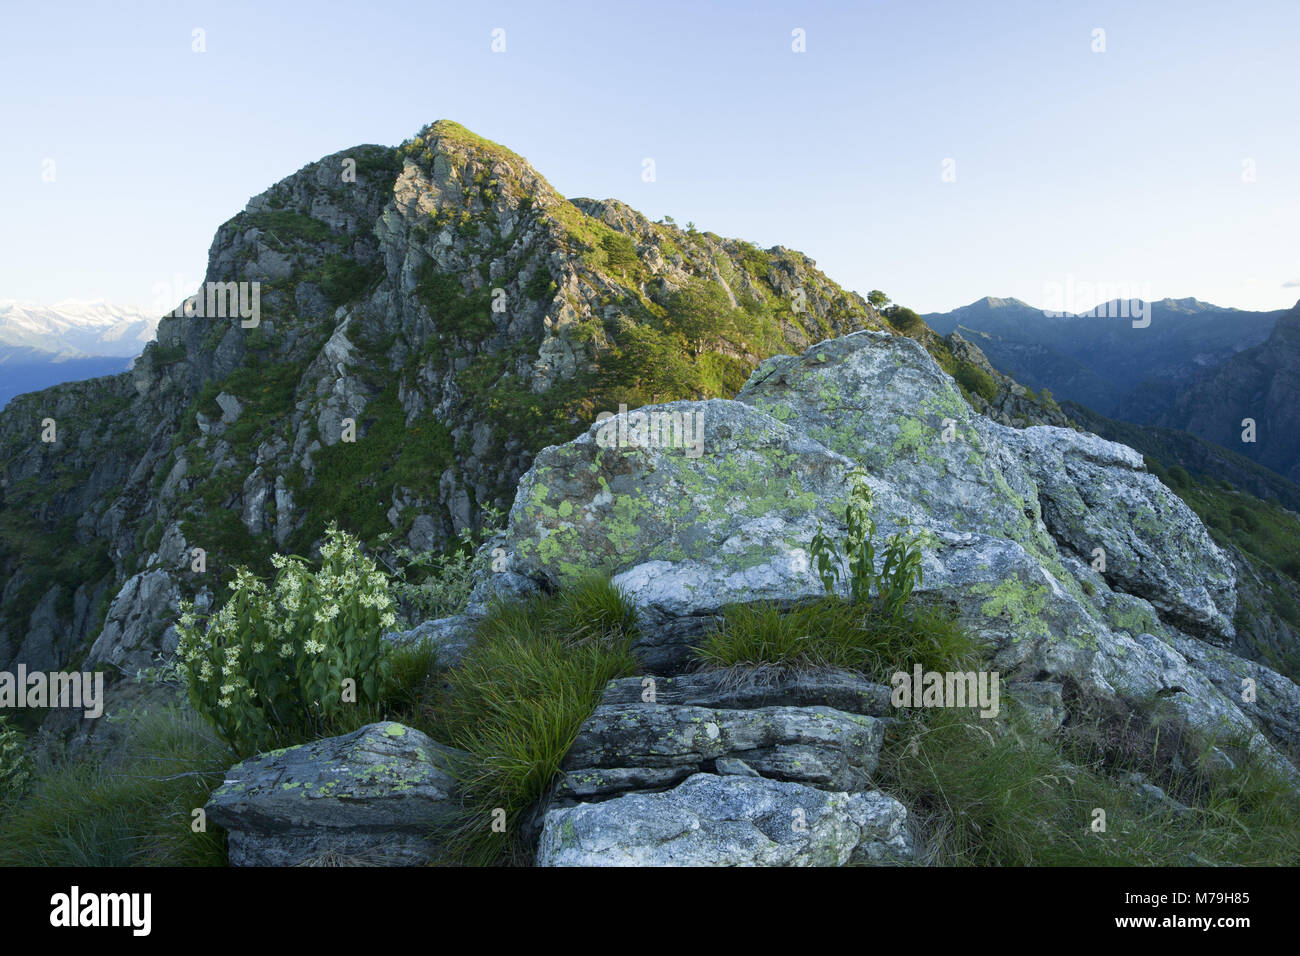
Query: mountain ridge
[[1098, 360], [376, 308]]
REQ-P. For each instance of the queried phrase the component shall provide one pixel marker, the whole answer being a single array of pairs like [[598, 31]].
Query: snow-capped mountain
[[43, 345], [75, 329]]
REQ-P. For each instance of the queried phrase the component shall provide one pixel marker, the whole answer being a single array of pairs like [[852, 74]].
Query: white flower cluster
[[285, 628]]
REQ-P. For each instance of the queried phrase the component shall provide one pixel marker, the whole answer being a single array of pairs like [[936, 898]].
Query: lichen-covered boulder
[[703, 531], [731, 820], [1099, 501], [882, 401], [1009, 522], [377, 795]]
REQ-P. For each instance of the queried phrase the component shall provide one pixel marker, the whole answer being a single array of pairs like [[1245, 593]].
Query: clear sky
[[1124, 168]]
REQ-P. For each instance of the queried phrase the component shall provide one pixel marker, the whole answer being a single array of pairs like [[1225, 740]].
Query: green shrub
[[620, 251], [518, 699], [903, 319], [289, 226], [453, 311], [343, 279], [1243, 517], [166, 354], [434, 584], [541, 287], [271, 665], [382, 161], [900, 571], [754, 260], [976, 381]]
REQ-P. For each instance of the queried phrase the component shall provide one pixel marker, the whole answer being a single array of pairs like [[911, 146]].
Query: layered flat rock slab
[[653, 746], [377, 795], [710, 820], [742, 689]]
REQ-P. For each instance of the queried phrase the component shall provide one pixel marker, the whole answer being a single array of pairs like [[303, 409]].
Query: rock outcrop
[[711, 820], [1013, 525], [768, 767], [375, 796]]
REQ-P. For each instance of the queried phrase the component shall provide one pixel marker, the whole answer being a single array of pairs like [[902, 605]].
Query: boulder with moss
[[1008, 521], [377, 796]]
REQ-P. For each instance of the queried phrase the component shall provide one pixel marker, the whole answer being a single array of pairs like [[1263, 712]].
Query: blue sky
[[1122, 168]]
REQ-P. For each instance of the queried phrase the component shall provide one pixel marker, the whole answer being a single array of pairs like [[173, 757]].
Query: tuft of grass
[[133, 810], [517, 701], [834, 633], [980, 794]]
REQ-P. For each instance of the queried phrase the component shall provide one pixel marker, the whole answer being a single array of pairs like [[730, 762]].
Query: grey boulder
[[732, 820], [378, 795]]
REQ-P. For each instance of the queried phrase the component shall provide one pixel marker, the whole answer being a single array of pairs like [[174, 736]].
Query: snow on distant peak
[[76, 327]]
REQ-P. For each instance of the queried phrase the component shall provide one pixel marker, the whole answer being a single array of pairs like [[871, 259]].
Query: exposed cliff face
[[445, 305]]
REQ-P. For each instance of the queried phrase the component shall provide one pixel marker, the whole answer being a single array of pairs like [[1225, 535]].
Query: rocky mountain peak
[[428, 318]]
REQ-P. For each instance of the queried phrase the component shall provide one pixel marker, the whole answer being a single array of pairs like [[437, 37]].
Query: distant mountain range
[[1099, 360], [1197, 368], [44, 345], [1261, 384]]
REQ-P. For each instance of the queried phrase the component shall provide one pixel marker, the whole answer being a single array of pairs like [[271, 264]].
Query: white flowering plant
[[272, 666]]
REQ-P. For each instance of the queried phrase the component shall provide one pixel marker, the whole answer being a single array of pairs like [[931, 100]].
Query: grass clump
[[988, 794], [835, 633], [135, 810], [516, 704]]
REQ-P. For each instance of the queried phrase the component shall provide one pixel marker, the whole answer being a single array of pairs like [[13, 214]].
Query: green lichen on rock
[[1023, 605]]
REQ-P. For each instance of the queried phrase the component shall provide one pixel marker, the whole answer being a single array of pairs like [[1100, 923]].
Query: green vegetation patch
[[344, 280], [454, 311], [133, 811], [287, 227], [835, 633], [355, 480], [518, 700], [988, 795]]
